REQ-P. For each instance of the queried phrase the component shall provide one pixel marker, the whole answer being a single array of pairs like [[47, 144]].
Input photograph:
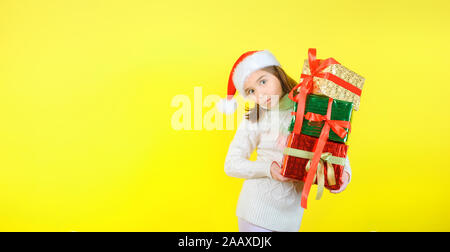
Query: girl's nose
[[263, 97]]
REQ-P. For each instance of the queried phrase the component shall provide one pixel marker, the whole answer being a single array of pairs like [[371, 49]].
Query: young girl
[[268, 201]]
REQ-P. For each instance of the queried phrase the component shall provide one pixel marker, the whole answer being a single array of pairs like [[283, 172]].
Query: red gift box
[[294, 167]]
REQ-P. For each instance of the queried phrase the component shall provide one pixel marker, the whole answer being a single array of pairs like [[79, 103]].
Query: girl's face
[[263, 88]]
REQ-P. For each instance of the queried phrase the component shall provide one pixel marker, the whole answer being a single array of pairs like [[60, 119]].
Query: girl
[[268, 201]]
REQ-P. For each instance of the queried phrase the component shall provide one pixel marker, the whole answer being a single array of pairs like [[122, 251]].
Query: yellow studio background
[[86, 140]]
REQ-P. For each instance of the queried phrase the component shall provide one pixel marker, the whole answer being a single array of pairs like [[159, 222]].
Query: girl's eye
[[249, 92], [263, 82]]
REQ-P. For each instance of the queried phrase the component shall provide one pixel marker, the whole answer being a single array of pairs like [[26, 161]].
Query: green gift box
[[340, 110]]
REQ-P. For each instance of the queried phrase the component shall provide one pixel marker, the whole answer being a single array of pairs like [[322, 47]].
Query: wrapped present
[[340, 110], [337, 126], [316, 119], [297, 159], [317, 70], [339, 83]]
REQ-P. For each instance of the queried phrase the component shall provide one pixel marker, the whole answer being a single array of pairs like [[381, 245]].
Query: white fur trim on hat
[[250, 64], [227, 106]]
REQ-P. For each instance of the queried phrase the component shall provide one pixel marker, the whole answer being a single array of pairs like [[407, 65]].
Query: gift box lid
[[333, 90]]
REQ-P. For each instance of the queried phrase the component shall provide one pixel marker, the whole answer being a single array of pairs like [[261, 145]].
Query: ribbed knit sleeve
[[237, 163], [347, 168]]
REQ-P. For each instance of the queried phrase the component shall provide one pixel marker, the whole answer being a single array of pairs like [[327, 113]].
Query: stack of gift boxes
[[316, 149]]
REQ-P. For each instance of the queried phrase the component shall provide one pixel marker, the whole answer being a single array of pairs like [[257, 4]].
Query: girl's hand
[[275, 171], [345, 178]]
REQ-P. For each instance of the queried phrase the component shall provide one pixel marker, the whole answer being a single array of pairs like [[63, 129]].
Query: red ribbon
[[306, 86], [316, 67], [338, 127]]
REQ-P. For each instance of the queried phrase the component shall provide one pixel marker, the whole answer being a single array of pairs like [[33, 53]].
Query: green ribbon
[[286, 103], [326, 156]]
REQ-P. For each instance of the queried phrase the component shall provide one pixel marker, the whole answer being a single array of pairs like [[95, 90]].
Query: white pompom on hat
[[242, 68]]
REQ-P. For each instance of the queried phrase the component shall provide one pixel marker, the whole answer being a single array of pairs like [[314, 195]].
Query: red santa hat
[[242, 68]]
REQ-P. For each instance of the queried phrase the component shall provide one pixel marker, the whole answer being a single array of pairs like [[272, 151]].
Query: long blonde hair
[[287, 84]]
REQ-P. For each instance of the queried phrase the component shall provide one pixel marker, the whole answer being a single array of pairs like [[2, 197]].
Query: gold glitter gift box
[[333, 90]]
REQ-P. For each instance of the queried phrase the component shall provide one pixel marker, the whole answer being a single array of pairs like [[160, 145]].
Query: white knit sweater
[[263, 201]]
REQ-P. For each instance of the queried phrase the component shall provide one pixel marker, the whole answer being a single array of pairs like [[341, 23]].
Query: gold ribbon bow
[[320, 173]]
